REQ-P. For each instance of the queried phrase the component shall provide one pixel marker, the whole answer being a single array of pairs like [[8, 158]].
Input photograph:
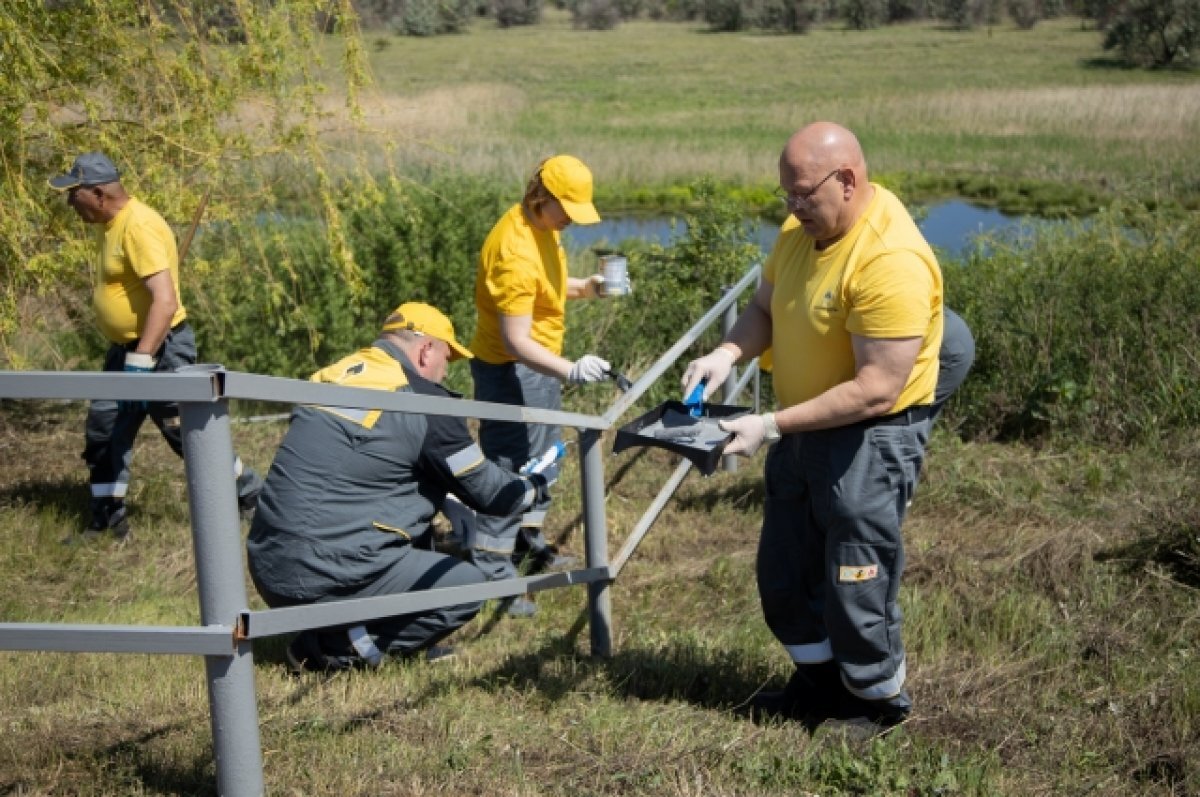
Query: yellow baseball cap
[[426, 319], [570, 181]]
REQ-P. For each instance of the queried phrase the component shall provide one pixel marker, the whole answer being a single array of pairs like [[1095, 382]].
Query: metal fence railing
[[228, 626]]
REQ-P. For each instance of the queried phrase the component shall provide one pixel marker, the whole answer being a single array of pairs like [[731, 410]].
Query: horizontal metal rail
[[208, 640], [300, 391], [270, 622], [660, 366], [203, 392], [194, 386]]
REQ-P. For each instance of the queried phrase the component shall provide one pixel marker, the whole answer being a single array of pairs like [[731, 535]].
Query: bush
[[724, 15], [434, 17], [274, 303], [966, 14], [905, 10], [509, 13], [1154, 33], [1087, 332], [1025, 13], [789, 16], [678, 283], [595, 14], [863, 14]]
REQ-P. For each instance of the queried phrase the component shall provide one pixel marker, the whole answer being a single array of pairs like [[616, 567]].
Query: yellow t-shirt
[[135, 244], [522, 271], [880, 281]]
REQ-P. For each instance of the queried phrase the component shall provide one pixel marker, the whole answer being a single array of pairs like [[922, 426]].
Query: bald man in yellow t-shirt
[[135, 290], [851, 304]]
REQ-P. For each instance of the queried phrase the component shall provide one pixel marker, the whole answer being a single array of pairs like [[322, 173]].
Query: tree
[[187, 97], [1154, 33]]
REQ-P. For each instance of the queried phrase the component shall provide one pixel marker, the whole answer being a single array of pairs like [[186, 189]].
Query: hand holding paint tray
[[690, 430]]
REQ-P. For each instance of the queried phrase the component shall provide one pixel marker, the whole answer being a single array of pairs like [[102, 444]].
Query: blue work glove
[[136, 363]]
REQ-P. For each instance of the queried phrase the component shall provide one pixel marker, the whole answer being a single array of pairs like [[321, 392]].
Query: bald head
[[825, 146], [824, 173]]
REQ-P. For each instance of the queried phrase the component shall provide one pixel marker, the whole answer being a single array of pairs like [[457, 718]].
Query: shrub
[[1025, 13], [966, 14], [1086, 332], [863, 14], [434, 17], [678, 283], [724, 15], [904, 10], [595, 14], [509, 13], [279, 306], [1154, 33], [789, 16]]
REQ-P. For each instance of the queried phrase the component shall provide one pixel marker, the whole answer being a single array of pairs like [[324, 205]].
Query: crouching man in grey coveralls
[[347, 505], [851, 303]]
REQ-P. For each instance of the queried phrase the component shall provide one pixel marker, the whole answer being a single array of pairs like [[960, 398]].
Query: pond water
[[950, 226]]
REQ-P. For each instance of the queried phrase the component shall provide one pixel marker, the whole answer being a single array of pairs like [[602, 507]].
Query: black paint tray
[[668, 426]]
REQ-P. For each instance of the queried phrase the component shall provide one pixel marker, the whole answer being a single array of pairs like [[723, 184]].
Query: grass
[[660, 103], [1051, 628]]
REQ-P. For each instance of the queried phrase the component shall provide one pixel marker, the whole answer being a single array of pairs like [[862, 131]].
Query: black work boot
[[109, 516], [874, 717], [811, 694]]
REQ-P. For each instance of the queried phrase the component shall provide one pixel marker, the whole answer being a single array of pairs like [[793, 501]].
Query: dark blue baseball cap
[[91, 168]]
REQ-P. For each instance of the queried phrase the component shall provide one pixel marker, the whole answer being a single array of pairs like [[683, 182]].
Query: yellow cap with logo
[[426, 319]]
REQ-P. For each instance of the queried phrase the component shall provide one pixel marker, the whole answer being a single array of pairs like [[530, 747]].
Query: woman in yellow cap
[[521, 289]]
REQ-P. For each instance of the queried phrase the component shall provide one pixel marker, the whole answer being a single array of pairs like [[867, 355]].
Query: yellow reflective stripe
[[391, 529]]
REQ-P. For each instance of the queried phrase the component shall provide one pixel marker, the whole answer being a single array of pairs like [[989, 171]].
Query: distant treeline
[[1140, 32]]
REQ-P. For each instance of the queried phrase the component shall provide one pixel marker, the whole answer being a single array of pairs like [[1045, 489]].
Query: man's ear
[[427, 345], [849, 181]]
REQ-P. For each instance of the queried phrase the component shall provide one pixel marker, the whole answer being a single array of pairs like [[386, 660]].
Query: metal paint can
[[616, 275]]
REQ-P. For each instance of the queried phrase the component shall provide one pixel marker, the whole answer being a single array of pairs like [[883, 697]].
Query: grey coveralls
[[511, 445], [831, 552], [111, 426], [349, 499]]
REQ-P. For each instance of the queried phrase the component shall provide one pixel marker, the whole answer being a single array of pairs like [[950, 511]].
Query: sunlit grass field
[[1051, 591], [657, 102], [1051, 649]]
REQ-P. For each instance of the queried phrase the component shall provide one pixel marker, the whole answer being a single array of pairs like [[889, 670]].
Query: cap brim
[[459, 351], [581, 212], [63, 182]]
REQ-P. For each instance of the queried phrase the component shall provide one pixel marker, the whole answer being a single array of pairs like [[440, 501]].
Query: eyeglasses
[[805, 198]]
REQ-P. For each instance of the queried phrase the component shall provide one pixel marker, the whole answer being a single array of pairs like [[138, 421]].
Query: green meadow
[[1053, 549], [654, 103]]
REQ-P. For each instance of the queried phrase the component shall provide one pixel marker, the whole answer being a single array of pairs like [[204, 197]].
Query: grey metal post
[[729, 462], [595, 533], [217, 539]]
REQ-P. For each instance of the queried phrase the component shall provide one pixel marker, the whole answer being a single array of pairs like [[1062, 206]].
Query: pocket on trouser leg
[[862, 618]]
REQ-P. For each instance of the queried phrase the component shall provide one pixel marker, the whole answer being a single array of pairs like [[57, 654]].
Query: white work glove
[[714, 366], [750, 432], [588, 368], [136, 363]]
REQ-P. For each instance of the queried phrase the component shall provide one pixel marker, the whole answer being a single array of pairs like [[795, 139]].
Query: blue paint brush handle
[[695, 400]]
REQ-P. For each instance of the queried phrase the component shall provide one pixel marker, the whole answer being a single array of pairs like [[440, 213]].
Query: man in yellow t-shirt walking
[[135, 290], [851, 303]]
